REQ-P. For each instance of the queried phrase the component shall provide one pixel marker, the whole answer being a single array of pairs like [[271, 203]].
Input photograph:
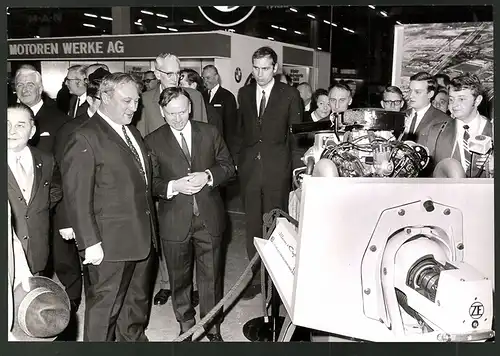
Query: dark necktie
[[185, 150], [134, 151], [77, 104], [413, 124], [262, 106], [467, 154]]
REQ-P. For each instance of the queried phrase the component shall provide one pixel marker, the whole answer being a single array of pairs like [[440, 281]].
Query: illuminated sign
[[226, 16]]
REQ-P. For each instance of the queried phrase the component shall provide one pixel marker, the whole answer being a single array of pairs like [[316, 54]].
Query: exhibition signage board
[[121, 47]]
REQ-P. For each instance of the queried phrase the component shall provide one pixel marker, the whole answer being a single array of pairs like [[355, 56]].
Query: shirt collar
[[186, 131], [25, 152], [114, 125], [422, 111], [267, 89], [83, 98], [474, 124], [36, 108], [214, 89]]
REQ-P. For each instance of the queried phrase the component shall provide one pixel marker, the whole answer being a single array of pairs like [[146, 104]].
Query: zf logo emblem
[[226, 16], [476, 310]]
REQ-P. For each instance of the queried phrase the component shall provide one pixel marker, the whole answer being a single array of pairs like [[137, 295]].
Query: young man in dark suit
[[450, 139], [33, 187], [190, 161], [267, 110], [107, 185]]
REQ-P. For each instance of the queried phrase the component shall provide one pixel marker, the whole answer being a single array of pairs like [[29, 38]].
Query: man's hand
[[94, 255], [199, 179], [488, 167], [187, 185], [67, 234]]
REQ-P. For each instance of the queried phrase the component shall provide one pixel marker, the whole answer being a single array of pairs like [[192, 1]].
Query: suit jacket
[[432, 116], [224, 104], [82, 108], [272, 142], [61, 218], [106, 196], [48, 121], [31, 219], [442, 138], [208, 151], [151, 117]]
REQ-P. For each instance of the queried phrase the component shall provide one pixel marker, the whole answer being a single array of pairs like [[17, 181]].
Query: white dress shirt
[[476, 127], [267, 90], [187, 133], [420, 116], [26, 160], [36, 108], [212, 92], [118, 129], [307, 107]]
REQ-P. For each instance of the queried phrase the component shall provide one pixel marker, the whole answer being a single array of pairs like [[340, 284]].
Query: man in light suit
[[167, 70], [107, 185], [33, 187], [267, 110], [422, 115], [450, 139], [191, 160]]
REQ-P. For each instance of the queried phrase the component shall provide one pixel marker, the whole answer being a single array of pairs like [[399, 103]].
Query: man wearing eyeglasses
[[150, 81], [76, 83], [392, 99], [167, 71]]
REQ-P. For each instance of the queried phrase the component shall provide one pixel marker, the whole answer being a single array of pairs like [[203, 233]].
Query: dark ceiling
[[369, 46]]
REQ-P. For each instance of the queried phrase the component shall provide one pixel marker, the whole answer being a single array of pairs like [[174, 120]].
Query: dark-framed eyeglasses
[[393, 102], [170, 74]]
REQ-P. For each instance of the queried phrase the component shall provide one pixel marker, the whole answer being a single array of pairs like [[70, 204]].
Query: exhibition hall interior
[[237, 173]]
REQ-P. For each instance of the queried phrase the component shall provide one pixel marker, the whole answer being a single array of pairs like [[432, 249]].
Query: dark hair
[[211, 66], [440, 89], [93, 88], [340, 85], [467, 81], [445, 77], [22, 107], [393, 89], [424, 76], [192, 76], [250, 79], [314, 100], [265, 52], [169, 94]]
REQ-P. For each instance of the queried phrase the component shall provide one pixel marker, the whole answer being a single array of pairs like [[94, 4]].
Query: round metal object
[[447, 212], [367, 291], [401, 212], [460, 246], [373, 248]]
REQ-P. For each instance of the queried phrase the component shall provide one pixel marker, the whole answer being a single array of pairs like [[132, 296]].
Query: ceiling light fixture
[[161, 15], [173, 29], [311, 16], [107, 18], [90, 15], [147, 12], [187, 21], [161, 27], [88, 25], [293, 9]]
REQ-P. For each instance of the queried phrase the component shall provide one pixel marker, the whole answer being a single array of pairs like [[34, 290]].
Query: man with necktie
[[107, 183], [190, 162], [76, 81], [264, 144], [451, 139], [422, 115], [33, 187]]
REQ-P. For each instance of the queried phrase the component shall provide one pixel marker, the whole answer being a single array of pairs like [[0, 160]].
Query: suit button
[[260, 140], [25, 237], [147, 212], [20, 198], [26, 217]]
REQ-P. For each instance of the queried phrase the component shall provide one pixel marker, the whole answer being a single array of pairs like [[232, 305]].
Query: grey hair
[[80, 69], [111, 81], [25, 70], [163, 56]]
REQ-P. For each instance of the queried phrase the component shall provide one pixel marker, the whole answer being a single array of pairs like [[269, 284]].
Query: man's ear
[[33, 130], [478, 100]]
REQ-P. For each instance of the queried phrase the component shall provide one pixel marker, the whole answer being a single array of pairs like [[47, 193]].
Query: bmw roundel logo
[[226, 16]]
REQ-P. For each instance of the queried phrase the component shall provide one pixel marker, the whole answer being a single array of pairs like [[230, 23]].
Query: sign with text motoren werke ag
[[115, 47]]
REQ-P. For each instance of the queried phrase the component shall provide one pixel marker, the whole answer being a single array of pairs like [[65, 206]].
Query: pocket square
[[217, 105], [44, 134]]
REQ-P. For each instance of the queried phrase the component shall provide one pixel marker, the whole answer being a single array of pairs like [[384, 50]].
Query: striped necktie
[[467, 154], [134, 152]]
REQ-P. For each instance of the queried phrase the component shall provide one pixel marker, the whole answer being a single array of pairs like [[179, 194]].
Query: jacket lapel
[[171, 141], [273, 98], [253, 100], [196, 144], [145, 155], [37, 174], [13, 183], [426, 119]]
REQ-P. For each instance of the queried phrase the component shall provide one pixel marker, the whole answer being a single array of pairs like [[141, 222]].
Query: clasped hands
[[190, 184]]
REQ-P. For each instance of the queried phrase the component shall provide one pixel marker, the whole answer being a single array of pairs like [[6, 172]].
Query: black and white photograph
[[312, 174]]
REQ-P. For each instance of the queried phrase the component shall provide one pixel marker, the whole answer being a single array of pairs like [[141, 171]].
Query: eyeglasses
[[393, 102], [169, 74]]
